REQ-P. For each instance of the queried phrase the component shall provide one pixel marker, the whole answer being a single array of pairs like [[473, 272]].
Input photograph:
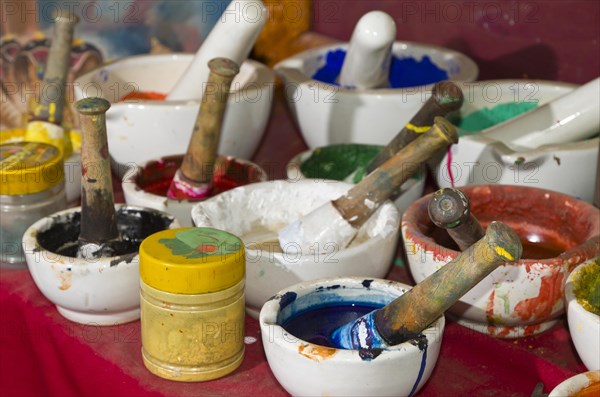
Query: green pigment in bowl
[[586, 284], [488, 117], [340, 162]]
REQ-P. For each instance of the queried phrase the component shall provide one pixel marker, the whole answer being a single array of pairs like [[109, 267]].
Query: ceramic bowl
[[102, 291], [142, 130], [72, 163], [584, 325], [521, 298], [256, 212], [308, 369], [578, 384], [409, 191], [567, 167], [329, 114], [229, 172]]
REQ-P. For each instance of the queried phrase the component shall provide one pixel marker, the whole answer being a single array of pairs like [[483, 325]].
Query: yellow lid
[[29, 167], [192, 260]]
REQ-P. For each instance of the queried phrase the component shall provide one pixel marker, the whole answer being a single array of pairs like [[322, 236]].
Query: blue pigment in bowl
[[316, 325], [404, 71]]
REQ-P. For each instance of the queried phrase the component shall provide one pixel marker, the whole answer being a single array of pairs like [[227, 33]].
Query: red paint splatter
[[207, 248], [489, 311], [449, 166], [531, 329], [540, 307]]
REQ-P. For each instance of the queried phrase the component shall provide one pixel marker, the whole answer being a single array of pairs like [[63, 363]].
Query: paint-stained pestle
[[233, 36], [411, 313], [450, 209], [445, 97], [367, 62], [45, 125], [98, 233], [337, 222], [194, 179]]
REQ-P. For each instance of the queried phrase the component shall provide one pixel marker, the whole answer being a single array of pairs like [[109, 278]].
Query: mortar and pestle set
[[85, 259], [143, 131]]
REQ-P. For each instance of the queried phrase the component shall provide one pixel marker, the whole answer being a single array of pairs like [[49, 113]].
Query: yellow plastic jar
[[32, 186], [192, 303]]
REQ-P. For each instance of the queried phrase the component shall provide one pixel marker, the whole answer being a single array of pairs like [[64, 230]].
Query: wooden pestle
[[194, 179], [445, 97], [45, 125], [411, 313], [98, 215], [450, 209], [336, 222], [356, 205]]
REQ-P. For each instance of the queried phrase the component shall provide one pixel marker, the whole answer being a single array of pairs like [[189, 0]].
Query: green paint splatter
[[261, 273], [488, 117], [201, 242], [399, 262], [587, 287]]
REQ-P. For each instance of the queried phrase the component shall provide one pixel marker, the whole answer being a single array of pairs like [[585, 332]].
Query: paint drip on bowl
[[404, 71]]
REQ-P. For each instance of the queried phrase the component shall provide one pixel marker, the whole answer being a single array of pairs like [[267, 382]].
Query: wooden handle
[[52, 95], [408, 315], [357, 205], [98, 216], [445, 98], [197, 165], [450, 209]]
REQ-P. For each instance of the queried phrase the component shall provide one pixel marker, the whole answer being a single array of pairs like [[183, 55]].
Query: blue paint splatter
[[286, 299], [422, 344], [404, 72]]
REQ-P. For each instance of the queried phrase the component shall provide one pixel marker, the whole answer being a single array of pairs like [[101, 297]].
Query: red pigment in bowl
[[156, 176], [144, 95]]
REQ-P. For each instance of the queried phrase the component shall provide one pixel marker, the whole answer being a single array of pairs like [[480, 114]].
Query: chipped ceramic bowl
[[567, 167], [584, 325], [328, 114], [256, 212], [72, 164], [517, 299], [142, 130], [409, 191], [101, 291], [303, 368], [159, 174], [578, 384]]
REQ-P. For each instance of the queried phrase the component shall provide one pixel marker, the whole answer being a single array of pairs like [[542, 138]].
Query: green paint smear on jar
[[587, 287], [338, 162], [488, 117]]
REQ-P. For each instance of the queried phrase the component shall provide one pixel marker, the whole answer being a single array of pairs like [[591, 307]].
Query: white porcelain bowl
[[138, 178], [567, 168], [409, 191], [577, 384], [520, 298], [584, 325], [101, 291], [307, 369], [141, 130], [256, 212], [329, 114]]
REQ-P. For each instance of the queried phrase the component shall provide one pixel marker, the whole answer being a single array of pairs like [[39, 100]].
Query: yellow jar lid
[[29, 167], [192, 260]]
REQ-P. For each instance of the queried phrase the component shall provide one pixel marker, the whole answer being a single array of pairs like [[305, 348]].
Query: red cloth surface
[[44, 354]]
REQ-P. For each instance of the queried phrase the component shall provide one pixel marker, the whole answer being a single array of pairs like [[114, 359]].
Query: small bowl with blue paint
[[296, 325], [347, 162], [495, 117], [328, 113]]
